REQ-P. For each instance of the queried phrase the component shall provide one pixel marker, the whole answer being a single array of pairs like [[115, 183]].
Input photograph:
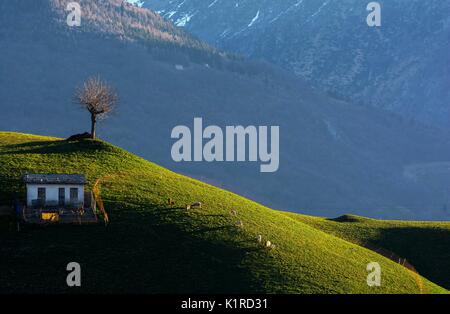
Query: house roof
[[55, 179]]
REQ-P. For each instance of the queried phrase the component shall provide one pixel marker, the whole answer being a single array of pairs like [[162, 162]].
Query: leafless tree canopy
[[97, 97]]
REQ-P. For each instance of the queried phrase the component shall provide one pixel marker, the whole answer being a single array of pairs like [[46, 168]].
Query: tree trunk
[[93, 125]]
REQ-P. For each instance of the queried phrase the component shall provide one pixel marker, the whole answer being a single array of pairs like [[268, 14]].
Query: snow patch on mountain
[[181, 4], [291, 8], [184, 20], [212, 3], [254, 19], [169, 15], [225, 32], [318, 11]]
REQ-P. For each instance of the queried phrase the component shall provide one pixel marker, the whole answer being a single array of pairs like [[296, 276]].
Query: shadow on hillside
[[140, 251], [53, 147], [426, 249]]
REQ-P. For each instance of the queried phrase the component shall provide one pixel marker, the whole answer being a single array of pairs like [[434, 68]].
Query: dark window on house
[[41, 195], [61, 196], [73, 195]]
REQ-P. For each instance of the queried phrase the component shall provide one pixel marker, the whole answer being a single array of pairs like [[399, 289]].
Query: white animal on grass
[[259, 238], [188, 207], [270, 245]]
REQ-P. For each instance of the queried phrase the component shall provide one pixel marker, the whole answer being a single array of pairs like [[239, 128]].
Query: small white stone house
[[55, 189]]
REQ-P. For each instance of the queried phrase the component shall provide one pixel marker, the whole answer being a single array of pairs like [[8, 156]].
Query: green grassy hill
[[150, 247], [424, 244]]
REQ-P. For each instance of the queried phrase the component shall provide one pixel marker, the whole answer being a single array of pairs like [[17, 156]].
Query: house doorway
[[73, 195], [41, 196], [61, 196]]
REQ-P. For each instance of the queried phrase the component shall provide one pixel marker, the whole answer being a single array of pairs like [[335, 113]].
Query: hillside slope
[[401, 66], [334, 156], [151, 248], [424, 244]]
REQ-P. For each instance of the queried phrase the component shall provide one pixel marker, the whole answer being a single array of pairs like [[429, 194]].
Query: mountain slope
[[401, 66], [150, 248], [335, 157], [108, 19]]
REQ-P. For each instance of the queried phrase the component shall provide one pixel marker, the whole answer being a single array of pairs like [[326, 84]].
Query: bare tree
[[97, 97]]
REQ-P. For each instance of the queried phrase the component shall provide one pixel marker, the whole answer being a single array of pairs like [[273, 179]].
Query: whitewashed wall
[[52, 192]]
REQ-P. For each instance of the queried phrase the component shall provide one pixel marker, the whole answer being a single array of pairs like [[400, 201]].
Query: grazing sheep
[[197, 204], [240, 224], [268, 244], [188, 207], [233, 213], [259, 238]]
